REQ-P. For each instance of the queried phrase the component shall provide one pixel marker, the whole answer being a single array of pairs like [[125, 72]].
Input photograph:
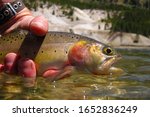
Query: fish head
[[94, 57], [101, 58]]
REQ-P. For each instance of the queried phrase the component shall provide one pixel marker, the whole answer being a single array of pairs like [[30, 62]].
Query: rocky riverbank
[[89, 23]]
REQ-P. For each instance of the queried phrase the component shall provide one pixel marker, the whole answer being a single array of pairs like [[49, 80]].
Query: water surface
[[133, 84]]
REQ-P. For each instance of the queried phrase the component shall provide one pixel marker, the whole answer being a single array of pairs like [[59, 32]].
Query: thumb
[[37, 25]]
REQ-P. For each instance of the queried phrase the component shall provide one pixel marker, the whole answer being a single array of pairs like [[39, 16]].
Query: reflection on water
[[134, 84]]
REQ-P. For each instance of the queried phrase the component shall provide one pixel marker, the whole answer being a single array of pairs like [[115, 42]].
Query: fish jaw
[[106, 67], [116, 71]]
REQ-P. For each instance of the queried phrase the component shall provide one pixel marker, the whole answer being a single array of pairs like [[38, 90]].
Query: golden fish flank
[[62, 51]]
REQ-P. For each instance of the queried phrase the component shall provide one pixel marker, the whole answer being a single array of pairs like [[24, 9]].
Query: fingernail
[[39, 26], [27, 68], [10, 63]]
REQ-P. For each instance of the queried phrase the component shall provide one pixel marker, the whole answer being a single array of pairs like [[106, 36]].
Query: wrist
[[9, 10]]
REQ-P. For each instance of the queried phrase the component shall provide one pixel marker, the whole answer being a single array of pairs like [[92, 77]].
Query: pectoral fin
[[56, 74]]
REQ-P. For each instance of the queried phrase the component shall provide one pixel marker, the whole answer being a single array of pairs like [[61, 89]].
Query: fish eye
[[108, 51]]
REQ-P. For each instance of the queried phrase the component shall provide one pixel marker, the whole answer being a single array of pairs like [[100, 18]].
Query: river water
[[133, 84]]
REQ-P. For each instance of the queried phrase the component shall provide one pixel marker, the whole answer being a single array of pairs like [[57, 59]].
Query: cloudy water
[[133, 84]]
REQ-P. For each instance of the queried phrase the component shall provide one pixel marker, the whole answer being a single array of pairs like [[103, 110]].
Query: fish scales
[[46, 51]]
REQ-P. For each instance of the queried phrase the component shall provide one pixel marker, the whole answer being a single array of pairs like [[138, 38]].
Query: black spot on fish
[[66, 52], [34, 52], [41, 51], [26, 54], [55, 51], [10, 41], [77, 37]]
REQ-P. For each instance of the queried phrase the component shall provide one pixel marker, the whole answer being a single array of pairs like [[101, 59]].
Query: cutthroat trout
[[60, 53]]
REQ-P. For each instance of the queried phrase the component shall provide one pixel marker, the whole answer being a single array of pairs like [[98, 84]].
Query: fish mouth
[[111, 60], [108, 63]]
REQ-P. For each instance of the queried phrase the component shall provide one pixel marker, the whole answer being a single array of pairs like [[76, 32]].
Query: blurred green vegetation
[[129, 15], [133, 20]]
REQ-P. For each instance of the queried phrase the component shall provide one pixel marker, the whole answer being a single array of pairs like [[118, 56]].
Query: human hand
[[25, 20]]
